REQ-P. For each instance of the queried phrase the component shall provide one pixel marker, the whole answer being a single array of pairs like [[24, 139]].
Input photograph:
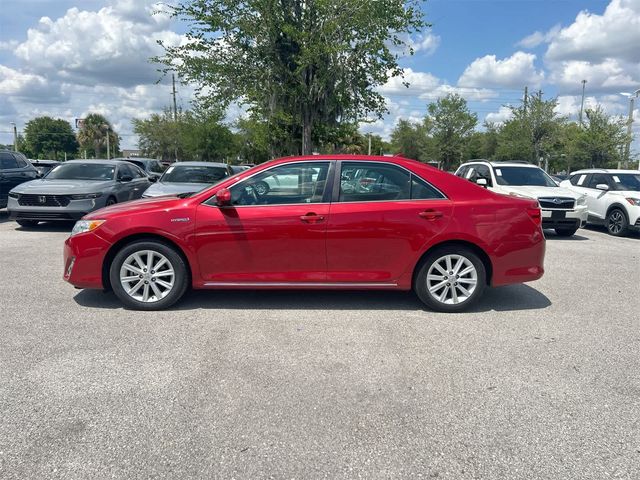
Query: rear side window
[[462, 171], [421, 190], [373, 182], [7, 161]]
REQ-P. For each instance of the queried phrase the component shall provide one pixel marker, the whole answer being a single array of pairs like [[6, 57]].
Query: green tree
[[411, 140], [295, 64], [532, 133], [600, 141], [92, 136], [453, 123], [46, 137]]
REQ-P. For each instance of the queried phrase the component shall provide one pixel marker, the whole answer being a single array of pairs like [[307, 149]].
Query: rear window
[[7, 161], [194, 174]]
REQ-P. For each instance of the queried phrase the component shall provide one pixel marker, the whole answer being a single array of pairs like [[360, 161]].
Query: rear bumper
[[519, 261], [84, 255]]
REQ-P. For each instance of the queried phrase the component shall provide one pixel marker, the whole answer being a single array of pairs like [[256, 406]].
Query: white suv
[[562, 209], [613, 197]]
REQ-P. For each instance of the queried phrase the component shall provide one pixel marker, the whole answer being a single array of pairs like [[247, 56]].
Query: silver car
[[188, 177], [75, 188]]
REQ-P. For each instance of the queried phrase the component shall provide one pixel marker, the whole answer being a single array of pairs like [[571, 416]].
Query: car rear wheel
[[617, 222], [27, 223], [111, 201], [148, 275], [450, 279], [566, 232]]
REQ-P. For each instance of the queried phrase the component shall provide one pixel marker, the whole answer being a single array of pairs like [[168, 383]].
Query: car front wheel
[[450, 279], [148, 275], [27, 223], [617, 222]]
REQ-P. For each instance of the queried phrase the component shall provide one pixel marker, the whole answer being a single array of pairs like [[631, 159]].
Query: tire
[[145, 297], [617, 223], [442, 299], [261, 188], [27, 223], [110, 201], [566, 232]]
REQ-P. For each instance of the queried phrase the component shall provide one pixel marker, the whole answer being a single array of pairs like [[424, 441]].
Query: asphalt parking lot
[[539, 381]]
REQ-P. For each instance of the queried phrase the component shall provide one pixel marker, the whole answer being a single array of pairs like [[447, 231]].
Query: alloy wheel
[[616, 222], [452, 279], [147, 276]]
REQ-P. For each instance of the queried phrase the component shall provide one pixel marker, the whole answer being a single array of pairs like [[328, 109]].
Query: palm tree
[[92, 135]]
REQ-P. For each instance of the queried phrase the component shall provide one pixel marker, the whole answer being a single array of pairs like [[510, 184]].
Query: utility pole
[[584, 82], [369, 144], [526, 98], [108, 146], [175, 105], [15, 137], [627, 150]]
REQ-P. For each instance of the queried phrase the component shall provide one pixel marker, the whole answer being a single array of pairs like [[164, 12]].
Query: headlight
[[582, 200], [84, 226], [85, 196], [634, 201], [14, 195]]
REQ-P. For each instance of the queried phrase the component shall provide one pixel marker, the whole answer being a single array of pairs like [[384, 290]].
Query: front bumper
[[84, 255], [75, 210], [558, 218]]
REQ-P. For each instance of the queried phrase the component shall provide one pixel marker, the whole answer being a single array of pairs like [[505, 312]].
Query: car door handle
[[312, 218], [431, 214]]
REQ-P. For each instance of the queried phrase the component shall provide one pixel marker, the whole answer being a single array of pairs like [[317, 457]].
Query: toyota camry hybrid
[[324, 222]]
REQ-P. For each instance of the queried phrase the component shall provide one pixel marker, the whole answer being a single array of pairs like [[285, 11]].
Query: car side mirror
[[126, 178], [602, 186], [223, 197], [482, 182], [153, 179]]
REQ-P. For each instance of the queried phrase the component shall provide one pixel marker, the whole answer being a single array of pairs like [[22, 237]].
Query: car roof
[[50, 162], [605, 170], [502, 163], [136, 159], [199, 164], [100, 160]]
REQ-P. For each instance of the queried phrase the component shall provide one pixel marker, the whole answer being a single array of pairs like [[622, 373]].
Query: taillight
[[535, 215]]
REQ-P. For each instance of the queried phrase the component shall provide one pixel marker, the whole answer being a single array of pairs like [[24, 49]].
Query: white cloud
[[426, 43], [503, 114], [110, 46], [538, 38], [512, 72], [29, 87]]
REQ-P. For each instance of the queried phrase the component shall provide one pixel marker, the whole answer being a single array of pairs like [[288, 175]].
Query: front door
[[273, 232], [380, 220]]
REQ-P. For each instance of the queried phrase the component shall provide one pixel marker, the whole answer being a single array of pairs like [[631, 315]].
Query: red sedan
[[329, 222]]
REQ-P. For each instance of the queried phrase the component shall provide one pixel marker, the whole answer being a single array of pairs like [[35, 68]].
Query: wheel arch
[[618, 206], [482, 254], [116, 247]]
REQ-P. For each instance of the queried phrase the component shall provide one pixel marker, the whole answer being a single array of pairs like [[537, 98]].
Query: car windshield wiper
[[185, 194]]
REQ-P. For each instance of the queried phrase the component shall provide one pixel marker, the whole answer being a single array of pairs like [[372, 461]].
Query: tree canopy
[[46, 137], [295, 64]]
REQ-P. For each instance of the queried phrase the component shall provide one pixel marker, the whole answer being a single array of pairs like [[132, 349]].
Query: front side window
[[598, 179], [523, 176], [283, 185], [194, 174], [82, 171]]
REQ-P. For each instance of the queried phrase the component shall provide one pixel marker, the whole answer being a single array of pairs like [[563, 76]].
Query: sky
[[68, 58]]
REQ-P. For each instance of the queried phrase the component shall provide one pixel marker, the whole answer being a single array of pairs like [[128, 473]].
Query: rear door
[[381, 217], [597, 199], [139, 183]]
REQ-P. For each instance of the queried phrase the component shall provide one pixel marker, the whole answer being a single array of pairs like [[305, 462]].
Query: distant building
[[131, 153]]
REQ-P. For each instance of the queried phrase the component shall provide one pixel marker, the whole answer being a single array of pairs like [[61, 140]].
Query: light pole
[[632, 97], [15, 137], [108, 146], [584, 82]]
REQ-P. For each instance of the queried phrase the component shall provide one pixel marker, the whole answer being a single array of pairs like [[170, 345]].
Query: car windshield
[[82, 171], [194, 174], [626, 181], [523, 176]]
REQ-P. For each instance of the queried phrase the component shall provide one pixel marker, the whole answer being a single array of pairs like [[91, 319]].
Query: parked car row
[[45, 190], [597, 196]]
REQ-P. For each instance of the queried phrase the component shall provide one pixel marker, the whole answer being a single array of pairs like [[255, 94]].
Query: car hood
[[539, 192], [43, 186], [143, 205], [161, 188]]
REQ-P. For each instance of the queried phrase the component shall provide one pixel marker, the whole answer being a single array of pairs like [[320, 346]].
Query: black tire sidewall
[[566, 232], [420, 280], [625, 223], [27, 223], [110, 201], [179, 267]]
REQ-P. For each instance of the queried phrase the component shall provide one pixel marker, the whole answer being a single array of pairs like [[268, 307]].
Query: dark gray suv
[[14, 170]]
